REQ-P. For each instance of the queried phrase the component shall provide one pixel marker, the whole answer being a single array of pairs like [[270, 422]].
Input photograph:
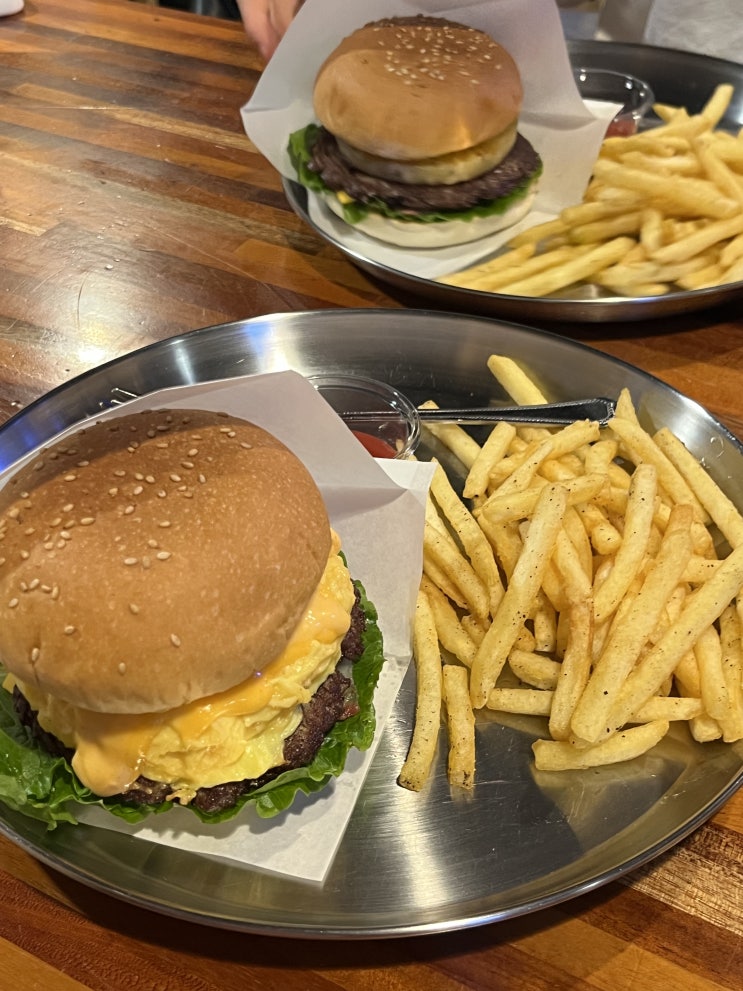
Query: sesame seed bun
[[156, 558], [414, 88]]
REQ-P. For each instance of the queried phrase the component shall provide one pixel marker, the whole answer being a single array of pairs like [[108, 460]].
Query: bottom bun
[[437, 234]]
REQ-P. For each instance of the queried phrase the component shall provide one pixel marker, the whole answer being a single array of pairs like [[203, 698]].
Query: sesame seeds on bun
[[417, 87], [156, 558]]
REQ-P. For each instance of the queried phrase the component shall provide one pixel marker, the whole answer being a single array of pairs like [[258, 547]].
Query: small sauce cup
[[393, 434], [634, 96]]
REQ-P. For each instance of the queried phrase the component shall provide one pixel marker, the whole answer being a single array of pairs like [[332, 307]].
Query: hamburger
[[418, 143], [177, 625]]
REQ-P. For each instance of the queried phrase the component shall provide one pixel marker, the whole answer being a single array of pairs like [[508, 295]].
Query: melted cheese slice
[[235, 734]]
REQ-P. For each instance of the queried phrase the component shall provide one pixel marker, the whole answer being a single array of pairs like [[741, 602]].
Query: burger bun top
[[156, 558], [417, 87]]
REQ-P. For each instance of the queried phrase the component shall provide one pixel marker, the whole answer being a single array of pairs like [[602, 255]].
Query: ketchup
[[621, 127], [374, 445]]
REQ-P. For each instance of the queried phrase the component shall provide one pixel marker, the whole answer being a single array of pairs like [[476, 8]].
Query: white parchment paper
[[705, 27], [380, 522], [565, 132]]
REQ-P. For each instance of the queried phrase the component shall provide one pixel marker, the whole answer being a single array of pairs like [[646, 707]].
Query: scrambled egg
[[233, 735]]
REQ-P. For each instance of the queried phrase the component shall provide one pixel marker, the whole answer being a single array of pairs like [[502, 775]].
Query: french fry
[[704, 729], [575, 669], [679, 164], [492, 280], [544, 623], [505, 507], [578, 537], [732, 251], [581, 267], [718, 103], [417, 767], [525, 701], [604, 536], [675, 191], [700, 611], [732, 274], [457, 569], [516, 457], [474, 542], [685, 196], [452, 436], [698, 241], [632, 630], [506, 541], [538, 233], [632, 550], [528, 464], [534, 669], [492, 451], [617, 613], [591, 211], [490, 268], [668, 112], [597, 231], [515, 381], [553, 755], [720, 508], [717, 170], [642, 448], [712, 685], [671, 709], [524, 582], [449, 629], [732, 669], [474, 627], [707, 276], [460, 721], [676, 135], [440, 578]]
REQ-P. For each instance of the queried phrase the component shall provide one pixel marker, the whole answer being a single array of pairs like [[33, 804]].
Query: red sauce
[[374, 445], [621, 128]]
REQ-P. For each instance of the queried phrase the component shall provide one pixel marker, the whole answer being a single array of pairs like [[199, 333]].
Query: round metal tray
[[679, 78], [436, 861]]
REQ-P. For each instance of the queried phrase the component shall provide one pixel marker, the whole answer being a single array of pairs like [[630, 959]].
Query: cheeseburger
[[418, 142], [177, 624]]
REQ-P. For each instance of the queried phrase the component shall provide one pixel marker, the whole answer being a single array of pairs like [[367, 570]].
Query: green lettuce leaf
[[300, 154], [44, 787]]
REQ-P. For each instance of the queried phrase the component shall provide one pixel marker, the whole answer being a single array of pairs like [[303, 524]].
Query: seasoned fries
[[460, 721], [417, 766], [663, 212], [595, 580]]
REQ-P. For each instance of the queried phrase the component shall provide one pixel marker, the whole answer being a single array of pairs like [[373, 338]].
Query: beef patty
[[521, 164], [334, 701]]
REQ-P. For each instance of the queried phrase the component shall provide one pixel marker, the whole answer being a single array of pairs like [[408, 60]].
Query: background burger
[[175, 623], [418, 144]]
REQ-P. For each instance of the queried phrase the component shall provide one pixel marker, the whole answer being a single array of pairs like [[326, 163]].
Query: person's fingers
[[282, 12], [258, 24], [266, 22]]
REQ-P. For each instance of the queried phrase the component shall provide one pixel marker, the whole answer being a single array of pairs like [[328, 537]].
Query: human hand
[[266, 21]]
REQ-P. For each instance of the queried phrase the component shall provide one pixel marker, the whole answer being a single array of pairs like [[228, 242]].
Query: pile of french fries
[[589, 575], [663, 212]]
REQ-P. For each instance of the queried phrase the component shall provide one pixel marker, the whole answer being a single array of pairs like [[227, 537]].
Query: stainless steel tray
[[411, 863], [680, 78]]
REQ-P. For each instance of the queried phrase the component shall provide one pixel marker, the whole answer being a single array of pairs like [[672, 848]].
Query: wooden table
[[133, 208]]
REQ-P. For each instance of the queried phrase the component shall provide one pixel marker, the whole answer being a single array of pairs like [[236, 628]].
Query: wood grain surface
[[133, 208]]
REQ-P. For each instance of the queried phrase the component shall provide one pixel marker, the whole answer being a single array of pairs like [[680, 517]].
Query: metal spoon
[[599, 409], [559, 414]]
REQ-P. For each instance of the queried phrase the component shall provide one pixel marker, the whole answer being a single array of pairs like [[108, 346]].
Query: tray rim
[[459, 921], [558, 309]]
